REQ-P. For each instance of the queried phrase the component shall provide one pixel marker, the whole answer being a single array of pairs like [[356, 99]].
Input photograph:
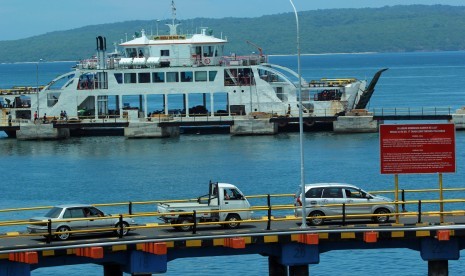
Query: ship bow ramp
[[367, 93]]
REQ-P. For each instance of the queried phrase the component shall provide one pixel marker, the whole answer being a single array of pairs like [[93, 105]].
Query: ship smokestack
[[101, 52]]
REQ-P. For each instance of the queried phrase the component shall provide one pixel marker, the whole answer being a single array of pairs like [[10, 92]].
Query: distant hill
[[387, 29]]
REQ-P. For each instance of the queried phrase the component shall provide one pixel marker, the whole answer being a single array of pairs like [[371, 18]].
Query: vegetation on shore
[[387, 29]]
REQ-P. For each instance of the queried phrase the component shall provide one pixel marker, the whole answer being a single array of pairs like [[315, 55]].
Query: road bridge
[[274, 233]]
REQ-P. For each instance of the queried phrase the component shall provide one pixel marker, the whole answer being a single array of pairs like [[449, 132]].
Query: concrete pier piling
[[41, 132], [150, 130], [359, 121], [254, 127]]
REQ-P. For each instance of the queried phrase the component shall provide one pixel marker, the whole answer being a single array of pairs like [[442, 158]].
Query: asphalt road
[[168, 233]]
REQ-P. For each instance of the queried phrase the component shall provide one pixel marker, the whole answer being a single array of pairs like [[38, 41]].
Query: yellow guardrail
[[268, 209]]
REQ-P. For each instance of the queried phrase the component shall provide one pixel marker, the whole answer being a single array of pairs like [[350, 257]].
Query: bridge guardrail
[[268, 210]]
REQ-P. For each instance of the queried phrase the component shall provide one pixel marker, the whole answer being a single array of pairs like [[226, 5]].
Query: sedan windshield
[[54, 212]]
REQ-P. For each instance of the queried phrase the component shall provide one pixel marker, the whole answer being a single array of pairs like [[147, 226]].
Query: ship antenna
[[173, 10], [173, 26]]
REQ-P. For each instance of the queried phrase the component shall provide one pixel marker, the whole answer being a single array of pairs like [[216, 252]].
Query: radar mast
[[173, 26]]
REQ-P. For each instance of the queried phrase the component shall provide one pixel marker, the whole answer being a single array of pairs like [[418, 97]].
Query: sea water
[[115, 169]]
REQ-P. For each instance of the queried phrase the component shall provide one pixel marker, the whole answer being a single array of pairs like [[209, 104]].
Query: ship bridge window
[[186, 76], [86, 81], [144, 77], [238, 77], [198, 50], [207, 51], [212, 75], [245, 76], [201, 76], [131, 52], [280, 94], [172, 77], [61, 83], [158, 77], [142, 52], [93, 81], [269, 76], [130, 78], [165, 53], [119, 77], [52, 99]]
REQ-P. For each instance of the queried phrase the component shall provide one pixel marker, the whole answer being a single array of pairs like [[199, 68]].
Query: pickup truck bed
[[177, 206]]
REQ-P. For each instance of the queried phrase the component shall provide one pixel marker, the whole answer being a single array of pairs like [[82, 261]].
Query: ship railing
[[20, 90], [5, 122], [199, 117], [412, 111], [244, 60], [101, 118], [137, 63]]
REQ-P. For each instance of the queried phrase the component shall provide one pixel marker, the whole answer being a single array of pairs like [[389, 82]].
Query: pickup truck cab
[[224, 202]]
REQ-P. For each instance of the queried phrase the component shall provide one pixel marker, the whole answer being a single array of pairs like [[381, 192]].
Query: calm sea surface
[[114, 169]]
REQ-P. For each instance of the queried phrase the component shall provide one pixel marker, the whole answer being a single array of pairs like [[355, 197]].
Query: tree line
[[387, 29]]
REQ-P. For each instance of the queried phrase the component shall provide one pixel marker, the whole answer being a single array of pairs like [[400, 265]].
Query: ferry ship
[[184, 75]]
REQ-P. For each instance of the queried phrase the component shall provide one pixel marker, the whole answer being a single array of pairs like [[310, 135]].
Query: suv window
[[314, 193], [332, 193], [353, 193]]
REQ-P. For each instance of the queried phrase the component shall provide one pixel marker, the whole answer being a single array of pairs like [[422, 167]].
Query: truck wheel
[[233, 221], [125, 229], [184, 220]]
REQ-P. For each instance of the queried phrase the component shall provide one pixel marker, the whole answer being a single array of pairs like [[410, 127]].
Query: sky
[[26, 18]]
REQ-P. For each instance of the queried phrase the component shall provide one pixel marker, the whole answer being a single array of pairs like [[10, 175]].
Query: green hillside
[[387, 29]]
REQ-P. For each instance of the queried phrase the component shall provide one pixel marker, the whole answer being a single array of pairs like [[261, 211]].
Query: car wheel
[[314, 218], [184, 220], [62, 235], [384, 217], [234, 221], [125, 229]]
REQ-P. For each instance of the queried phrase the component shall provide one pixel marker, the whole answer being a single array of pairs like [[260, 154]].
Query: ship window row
[[162, 77]]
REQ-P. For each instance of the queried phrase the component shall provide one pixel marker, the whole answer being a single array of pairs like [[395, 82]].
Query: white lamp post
[[37, 88], [158, 21], [301, 125]]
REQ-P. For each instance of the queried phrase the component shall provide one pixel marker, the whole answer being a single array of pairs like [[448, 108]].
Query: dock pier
[[355, 121]]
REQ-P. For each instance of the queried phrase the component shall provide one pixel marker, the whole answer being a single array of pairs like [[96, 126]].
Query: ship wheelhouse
[[172, 50]]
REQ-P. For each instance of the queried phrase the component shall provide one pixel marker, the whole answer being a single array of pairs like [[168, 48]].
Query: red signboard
[[418, 148]]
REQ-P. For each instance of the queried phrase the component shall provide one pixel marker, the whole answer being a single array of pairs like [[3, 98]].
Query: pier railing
[[412, 111], [267, 209]]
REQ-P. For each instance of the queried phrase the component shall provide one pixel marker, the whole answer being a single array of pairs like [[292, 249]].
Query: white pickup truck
[[209, 208]]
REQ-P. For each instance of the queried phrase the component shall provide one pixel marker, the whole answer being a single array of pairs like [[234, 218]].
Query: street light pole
[[301, 125], [157, 25], [37, 87]]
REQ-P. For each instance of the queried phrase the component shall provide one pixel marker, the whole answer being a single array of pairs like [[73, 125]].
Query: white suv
[[326, 199]]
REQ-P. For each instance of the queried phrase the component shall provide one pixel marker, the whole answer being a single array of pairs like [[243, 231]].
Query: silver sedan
[[77, 217]]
